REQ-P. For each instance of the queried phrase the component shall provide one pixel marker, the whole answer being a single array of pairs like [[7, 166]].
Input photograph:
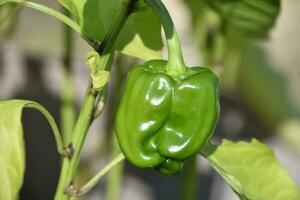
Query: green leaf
[[252, 170], [12, 152], [12, 156], [141, 36], [253, 18]]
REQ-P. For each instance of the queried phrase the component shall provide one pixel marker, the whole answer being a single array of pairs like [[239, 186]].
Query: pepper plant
[[168, 111]]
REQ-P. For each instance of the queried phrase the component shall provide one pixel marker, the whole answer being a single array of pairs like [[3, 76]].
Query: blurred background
[[260, 95]]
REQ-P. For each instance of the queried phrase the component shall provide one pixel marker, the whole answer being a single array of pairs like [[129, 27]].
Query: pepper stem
[[175, 66]]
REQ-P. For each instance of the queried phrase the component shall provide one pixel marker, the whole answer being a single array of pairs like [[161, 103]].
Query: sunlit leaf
[[12, 152], [141, 36], [252, 170], [12, 157]]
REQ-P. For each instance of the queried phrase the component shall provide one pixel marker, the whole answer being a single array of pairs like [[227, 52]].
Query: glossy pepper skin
[[161, 120]]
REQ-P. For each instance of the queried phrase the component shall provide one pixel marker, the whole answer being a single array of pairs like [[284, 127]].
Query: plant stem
[[115, 176], [69, 166], [48, 11], [94, 180], [51, 121], [189, 182], [105, 48], [175, 65], [67, 93], [54, 13], [91, 183]]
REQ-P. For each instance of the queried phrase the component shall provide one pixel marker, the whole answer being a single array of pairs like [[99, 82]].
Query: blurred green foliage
[[8, 16]]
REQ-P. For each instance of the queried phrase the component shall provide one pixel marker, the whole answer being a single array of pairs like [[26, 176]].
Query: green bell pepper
[[163, 119]]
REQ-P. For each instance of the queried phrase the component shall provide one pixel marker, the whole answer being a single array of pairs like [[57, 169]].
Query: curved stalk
[[59, 143], [61, 17], [175, 65], [93, 181]]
